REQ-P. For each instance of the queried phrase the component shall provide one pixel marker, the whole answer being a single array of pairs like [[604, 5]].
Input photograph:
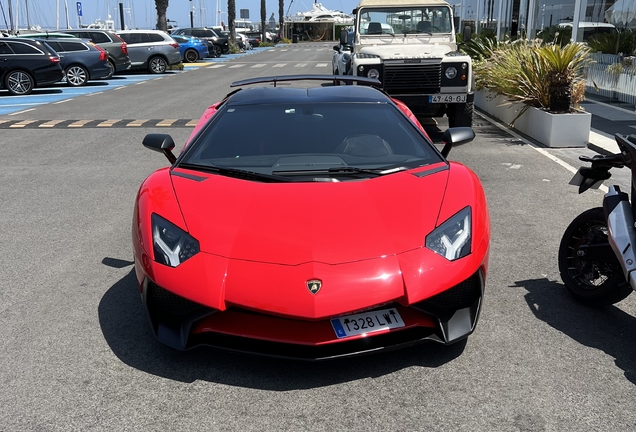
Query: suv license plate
[[367, 322], [447, 98]]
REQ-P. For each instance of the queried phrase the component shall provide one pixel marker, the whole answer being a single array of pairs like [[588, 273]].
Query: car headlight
[[452, 238], [172, 246], [374, 73], [366, 56], [451, 72]]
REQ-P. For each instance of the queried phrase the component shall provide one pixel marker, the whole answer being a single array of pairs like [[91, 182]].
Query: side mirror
[[336, 48], [453, 137], [467, 34], [343, 36], [162, 143]]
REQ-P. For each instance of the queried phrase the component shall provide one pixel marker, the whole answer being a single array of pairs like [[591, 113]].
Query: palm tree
[[281, 4], [162, 8], [231, 16], [263, 12]]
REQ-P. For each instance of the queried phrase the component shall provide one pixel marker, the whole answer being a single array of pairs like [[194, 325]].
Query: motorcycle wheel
[[595, 283]]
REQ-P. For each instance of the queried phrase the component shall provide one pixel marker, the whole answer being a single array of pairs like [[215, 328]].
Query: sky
[[142, 13]]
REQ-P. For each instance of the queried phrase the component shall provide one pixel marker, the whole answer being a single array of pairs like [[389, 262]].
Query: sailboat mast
[[11, 18], [57, 14], [26, 7]]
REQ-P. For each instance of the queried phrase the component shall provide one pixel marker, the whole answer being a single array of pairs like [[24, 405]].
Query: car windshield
[[393, 20], [318, 138]]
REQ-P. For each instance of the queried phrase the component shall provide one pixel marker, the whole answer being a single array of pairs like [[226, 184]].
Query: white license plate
[[367, 322], [447, 98]]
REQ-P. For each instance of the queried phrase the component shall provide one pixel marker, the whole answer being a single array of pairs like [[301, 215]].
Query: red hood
[[294, 223]]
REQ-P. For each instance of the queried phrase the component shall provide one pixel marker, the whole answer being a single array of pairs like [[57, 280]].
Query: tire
[[112, 69], [217, 51], [76, 75], [19, 83], [460, 115], [595, 283], [191, 56], [157, 65]]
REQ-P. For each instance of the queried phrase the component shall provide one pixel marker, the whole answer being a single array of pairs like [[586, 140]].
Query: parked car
[[217, 44], [282, 271], [81, 60], [26, 64], [153, 50], [45, 35], [242, 40], [108, 40], [254, 38], [191, 48]]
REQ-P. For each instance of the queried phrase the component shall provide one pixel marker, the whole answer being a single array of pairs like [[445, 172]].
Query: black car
[[217, 44], [108, 40], [26, 64], [81, 60]]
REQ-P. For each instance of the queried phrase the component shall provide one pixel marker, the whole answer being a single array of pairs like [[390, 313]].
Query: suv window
[[72, 46], [5, 49], [55, 45], [155, 37], [22, 48], [135, 38], [98, 37]]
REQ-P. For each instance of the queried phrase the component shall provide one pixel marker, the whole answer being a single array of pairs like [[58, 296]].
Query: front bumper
[[445, 318]]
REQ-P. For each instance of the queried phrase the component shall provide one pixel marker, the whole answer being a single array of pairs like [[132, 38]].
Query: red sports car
[[332, 227]]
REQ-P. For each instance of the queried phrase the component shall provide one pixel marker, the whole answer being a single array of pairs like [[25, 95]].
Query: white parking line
[[300, 65], [64, 101], [22, 112], [280, 65], [283, 50], [216, 66], [322, 64], [236, 66], [260, 65]]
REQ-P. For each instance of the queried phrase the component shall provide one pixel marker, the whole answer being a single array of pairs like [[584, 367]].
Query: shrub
[[543, 76], [623, 41]]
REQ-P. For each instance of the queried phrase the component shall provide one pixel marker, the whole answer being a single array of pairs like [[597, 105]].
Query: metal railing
[[609, 82]]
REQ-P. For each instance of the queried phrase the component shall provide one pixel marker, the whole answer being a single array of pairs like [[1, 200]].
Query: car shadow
[[34, 92], [126, 330], [608, 329]]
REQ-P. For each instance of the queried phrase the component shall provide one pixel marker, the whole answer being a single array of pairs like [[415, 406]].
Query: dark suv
[[217, 44], [26, 64], [115, 46]]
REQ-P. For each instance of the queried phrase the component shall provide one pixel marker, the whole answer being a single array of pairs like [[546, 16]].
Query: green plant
[[543, 76], [481, 48], [556, 35], [623, 41]]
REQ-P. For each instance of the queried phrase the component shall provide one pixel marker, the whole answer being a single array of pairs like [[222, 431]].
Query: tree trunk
[[231, 16], [281, 22], [263, 16], [162, 8]]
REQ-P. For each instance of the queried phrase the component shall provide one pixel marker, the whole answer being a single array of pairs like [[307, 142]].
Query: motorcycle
[[597, 260]]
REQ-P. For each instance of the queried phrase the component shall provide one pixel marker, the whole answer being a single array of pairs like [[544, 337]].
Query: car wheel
[[589, 278], [217, 51], [157, 65], [112, 69], [19, 83], [460, 115], [76, 75], [191, 56]]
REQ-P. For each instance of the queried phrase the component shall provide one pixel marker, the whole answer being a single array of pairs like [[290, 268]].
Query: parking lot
[[78, 354]]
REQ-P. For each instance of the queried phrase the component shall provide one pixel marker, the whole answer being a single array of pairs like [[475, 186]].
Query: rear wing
[[336, 79]]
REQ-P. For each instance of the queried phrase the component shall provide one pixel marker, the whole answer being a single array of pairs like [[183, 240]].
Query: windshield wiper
[[342, 171], [236, 173]]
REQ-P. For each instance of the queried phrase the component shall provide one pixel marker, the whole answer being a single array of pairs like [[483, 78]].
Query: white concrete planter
[[552, 130]]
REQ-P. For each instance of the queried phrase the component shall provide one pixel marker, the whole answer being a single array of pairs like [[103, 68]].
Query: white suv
[[154, 50]]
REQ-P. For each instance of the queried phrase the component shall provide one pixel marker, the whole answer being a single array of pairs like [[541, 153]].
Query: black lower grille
[[458, 297], [165, 301], [412, 78]]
